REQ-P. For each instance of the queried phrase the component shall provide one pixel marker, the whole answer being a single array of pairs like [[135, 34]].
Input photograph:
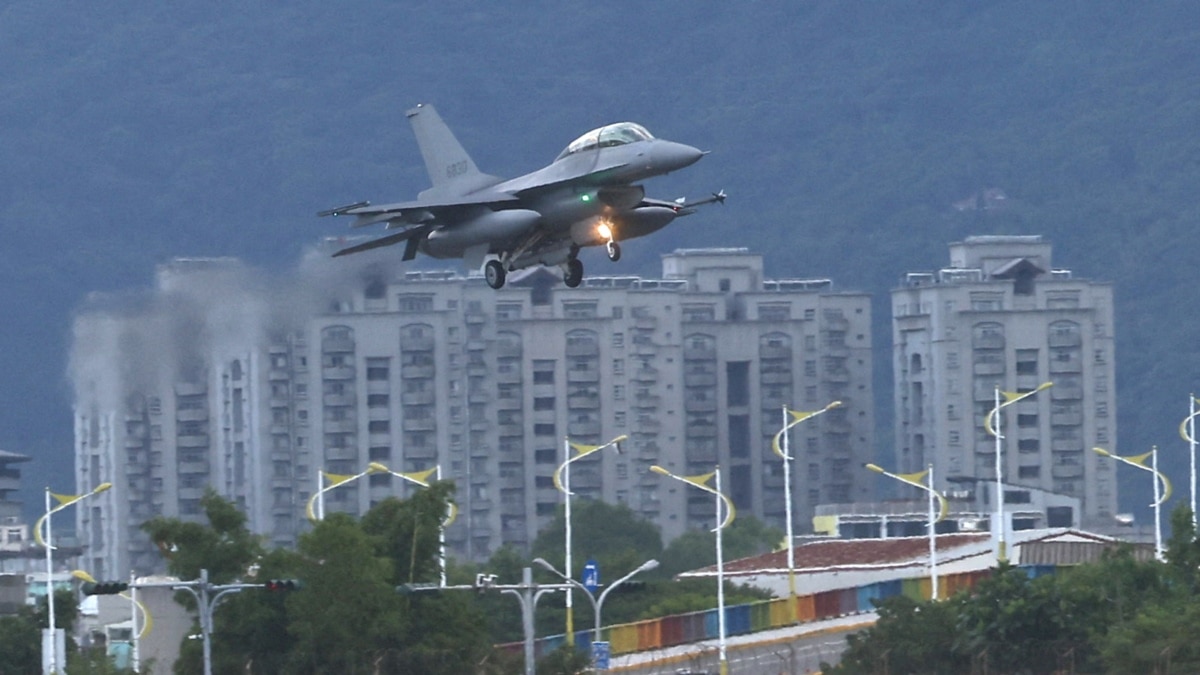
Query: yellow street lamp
[[915, 479], [1187, 429], [421, 478], [790, 419], [48, 542], [562, 481], [992, 424], [701, 482], [316, 504], [1139, 461]]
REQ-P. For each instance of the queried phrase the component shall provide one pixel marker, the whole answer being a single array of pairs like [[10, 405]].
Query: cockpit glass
[[607, 137]]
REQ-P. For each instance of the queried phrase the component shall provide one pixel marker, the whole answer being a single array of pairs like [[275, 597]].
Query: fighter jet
[[588, 196]]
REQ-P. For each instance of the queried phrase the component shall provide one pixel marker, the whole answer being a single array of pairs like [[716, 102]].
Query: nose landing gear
[[613, 249]]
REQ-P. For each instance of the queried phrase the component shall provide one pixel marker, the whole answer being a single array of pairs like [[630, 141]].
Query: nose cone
[[670, 156]]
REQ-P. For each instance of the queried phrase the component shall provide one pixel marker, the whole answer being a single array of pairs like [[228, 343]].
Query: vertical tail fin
[[445, 158]]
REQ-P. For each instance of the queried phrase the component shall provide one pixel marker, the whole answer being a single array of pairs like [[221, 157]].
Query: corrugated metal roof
[[816, 555], [1062, 553]]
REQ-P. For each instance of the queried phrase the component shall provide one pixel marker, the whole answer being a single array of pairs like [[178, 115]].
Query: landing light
[[604, 230]]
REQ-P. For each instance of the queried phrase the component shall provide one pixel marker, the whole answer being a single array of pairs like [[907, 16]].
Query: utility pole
[[208, 597], [527, 593]]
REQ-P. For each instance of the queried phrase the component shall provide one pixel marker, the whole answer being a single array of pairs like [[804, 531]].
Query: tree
[[20, 644], [745, 536], [348, 612], [611, 534], [224, 546], [910, 637]]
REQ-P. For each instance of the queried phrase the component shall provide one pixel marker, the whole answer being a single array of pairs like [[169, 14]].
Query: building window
[[411, 303], [579, 310], [377, 369]]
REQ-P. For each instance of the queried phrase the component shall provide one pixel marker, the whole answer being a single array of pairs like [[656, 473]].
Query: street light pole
[[48, 542], [915, 479], [702, 483], [993, 418], [562, 480], [597, 603], [316, 504], [785, 453], [1187, 429], [1139, 461]]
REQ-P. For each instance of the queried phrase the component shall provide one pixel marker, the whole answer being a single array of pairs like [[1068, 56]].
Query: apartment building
[[223, 377], [1001, 316]]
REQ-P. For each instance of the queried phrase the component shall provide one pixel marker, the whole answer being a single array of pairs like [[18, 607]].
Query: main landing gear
[[573, 272], [493, 273]]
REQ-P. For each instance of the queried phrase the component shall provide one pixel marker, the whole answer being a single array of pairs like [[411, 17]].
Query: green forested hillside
[[137, 132]]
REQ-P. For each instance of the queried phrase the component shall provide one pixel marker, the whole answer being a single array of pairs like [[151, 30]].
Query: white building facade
[[1001, 316], [221, 378]]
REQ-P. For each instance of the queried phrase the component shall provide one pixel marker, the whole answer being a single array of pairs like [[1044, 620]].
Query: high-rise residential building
[[221, 377], [14, 532], [1000, 316]]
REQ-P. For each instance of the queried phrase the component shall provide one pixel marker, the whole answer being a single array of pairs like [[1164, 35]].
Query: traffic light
[[283, 585], [103, 587]]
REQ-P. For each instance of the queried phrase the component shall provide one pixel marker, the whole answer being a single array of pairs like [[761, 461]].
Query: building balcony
[[418, 398], [1066, 471], [340, 426], [416, 371], [1068, 339], [776, 377], [340, 400], [337, 345], [592, 350], [338, 373], [699, 354], [647, 401], [575, 429], [192, 441], [583, 402], [191, 415], [510, 429], [425, 424], [645, 375], [507, 350], [418, 344], [773, 353], [200, 467], [587, 375], [699, 379]]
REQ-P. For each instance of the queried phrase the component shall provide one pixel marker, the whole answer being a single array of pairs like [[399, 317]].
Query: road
[[796, 650]]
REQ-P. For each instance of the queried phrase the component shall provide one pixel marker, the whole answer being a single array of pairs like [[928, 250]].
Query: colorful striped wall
[[679, 629]]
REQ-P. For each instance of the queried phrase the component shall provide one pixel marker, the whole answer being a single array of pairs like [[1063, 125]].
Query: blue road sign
[[601, 653], [591, 576]]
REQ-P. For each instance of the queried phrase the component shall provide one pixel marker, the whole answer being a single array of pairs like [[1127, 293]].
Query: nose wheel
[[614, 250], [493, 274]]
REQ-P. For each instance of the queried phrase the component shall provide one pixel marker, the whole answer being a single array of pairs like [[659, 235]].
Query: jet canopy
[[607, 137]]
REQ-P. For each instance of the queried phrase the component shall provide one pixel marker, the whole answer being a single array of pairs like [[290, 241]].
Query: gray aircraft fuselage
[[588, 196]]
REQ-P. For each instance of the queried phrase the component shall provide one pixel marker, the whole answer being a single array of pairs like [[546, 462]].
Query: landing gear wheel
[[614, 251], [573, 273], [493, 273]]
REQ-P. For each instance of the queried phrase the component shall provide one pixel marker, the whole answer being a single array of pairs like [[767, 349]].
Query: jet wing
[[414, 212]]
